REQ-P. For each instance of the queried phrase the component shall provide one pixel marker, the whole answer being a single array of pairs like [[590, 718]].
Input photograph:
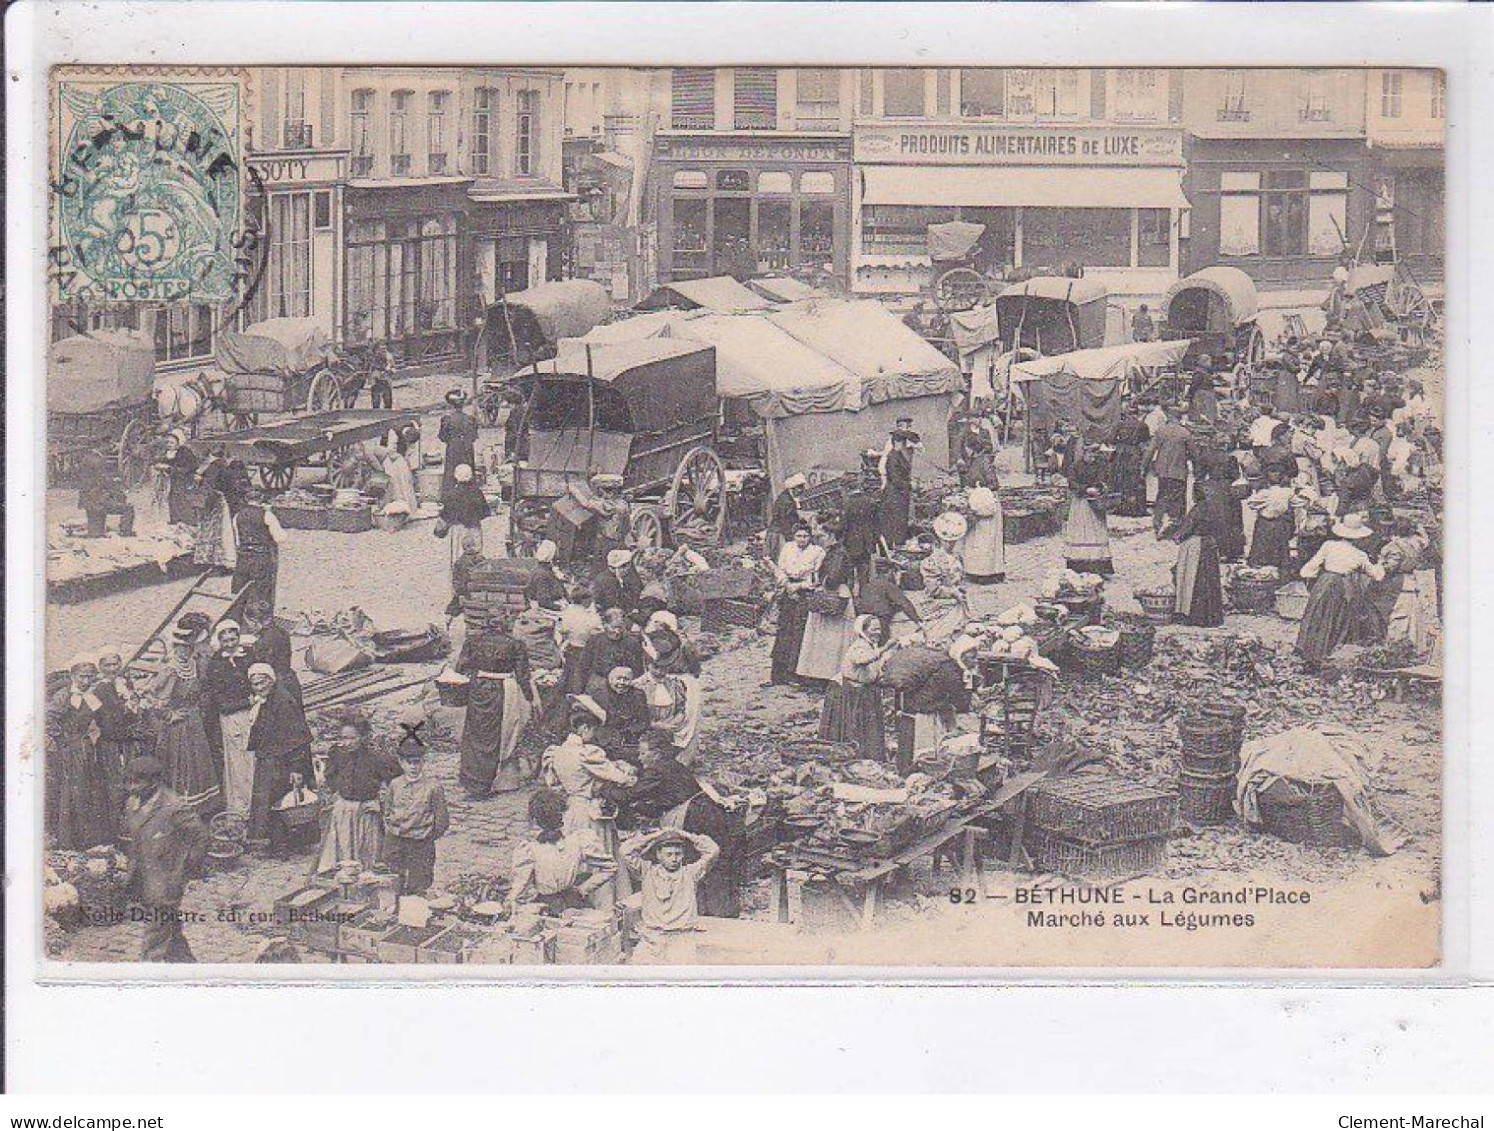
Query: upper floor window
[[297, 130], [903, 93], [435, 131], [982, 92], [399, 132], [755, 98], [1390, 94], [363, 103], [818, 99], [484, 117], [1313, 104], [692, 98], [1233, 107], [1042, 94], [1138, 95], [526, 155], [1439, 94]]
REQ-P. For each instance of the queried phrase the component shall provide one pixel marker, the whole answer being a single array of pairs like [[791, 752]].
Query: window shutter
[[1097, 79], [326, 112], [755, 91], [269, 94], [693, 98]]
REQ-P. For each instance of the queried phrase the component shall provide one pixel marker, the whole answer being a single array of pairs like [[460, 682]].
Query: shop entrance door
[[731, 243]]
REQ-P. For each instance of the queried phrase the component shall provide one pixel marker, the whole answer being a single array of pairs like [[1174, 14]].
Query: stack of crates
[[1099, 826]]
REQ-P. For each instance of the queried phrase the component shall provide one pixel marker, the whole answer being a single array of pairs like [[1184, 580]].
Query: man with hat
[[1168, 459], [897, 484], [458, 432], [602, 495], [618, 586], [669, 864], [860, 524], [168, 846], [101, 493]]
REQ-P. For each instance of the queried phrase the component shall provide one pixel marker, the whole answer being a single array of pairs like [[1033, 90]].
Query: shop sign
[[1018, 145], [286, 168], [691, 149]]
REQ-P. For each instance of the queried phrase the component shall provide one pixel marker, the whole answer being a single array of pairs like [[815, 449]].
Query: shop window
[[816, 231], [1327, 213], [1239, 214], [817, 99], [817, 183], [1439, 94], [1139, 95], [363, 159], [691, 179], [484, 119], [1042, 93], [289, 268], [982, 92], [526, 154], [513, 263], [1153, 237], [1092, 237], [773, 235], [692, 98], [297, 131], [322, 208], [1313, 97], [733, 180], [399, 137], [755, 98], [1284, 212], [435, 132], [184, 333], [900, 229], [903, 93], [691, 225], [1233, 107], [775, 182]]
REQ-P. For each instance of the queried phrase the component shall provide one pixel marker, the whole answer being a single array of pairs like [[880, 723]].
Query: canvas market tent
[[1083, 388], [720, 293]]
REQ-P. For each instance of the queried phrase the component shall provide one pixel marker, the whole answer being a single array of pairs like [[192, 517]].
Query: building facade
[[1278, 171], [1062, 167], [1406, 126], [751, 172]]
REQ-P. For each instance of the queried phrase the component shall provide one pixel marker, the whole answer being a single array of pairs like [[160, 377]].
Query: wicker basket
[[1205, 799], [1091, 658], [1210, 763], [720, 614], [1157, 604], [1291, 601], [1138, 641], [1119, 861], [1101, 808], [294, 517], [392, 522], [1208, 736], [350, 520], [1311, 814], [1249, 596]]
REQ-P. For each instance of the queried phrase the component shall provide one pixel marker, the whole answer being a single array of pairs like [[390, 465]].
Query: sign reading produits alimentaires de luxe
[[1000, 144]]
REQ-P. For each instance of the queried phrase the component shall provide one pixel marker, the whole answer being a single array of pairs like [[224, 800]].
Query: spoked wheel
[[136, 454], [960, 289], [344, 470], [241, 420], [646, 529], [697, 498], [1255, 352], [276, 476], [324, 394]]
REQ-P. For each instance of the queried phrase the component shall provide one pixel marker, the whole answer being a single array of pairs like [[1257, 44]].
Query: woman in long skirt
[[356, 774], [214, 544], [1338, 572], [1275, 523], [499, 706], [1128, 468], [853, 710], [1086, 541], [81, 799], [182, 493], [1200, 591], [984, 550], [227, 681], [281, 742], [796, 571], [829, 628], [182, 747], [944, 602]]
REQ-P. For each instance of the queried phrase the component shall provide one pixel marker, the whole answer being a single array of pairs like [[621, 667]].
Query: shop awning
[[1039, 187]]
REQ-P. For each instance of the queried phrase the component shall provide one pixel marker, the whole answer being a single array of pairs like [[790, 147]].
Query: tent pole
[[591, 414]]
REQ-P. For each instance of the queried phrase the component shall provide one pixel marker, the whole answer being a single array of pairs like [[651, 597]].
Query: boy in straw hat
[[669, 864]]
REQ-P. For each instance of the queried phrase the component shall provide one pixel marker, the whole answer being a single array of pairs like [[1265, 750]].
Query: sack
[[536, 632], [830, 604], [910, 666], [330, 655]]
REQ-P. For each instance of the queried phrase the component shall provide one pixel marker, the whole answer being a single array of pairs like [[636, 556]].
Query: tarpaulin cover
[[98, 370], [564, 309], [665, 382], [285, 346], [1059, 288], [1083, 388], [720, 293], [783, 290], [1092, 406], [835, 443], [1369, 275], [1104, 364], [974, 328], [1231, 285], [953, 240]]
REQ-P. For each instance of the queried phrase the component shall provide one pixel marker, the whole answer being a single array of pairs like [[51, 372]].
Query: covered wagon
[[99, 400]]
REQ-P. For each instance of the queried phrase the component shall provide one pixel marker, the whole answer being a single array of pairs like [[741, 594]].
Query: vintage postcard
[[525, 517]]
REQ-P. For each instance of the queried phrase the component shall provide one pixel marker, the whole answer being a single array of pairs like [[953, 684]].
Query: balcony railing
[[1234, 114], [297, 135]]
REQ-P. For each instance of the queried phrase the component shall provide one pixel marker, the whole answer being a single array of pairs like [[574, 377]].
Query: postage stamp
[[147, 191]]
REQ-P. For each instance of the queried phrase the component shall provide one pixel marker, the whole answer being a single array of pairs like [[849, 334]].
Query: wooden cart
[[321, 439], [99, 400], [283, 365], [1217, 307]]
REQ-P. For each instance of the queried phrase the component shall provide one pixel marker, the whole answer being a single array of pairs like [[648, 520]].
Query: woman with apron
[[500, 703]]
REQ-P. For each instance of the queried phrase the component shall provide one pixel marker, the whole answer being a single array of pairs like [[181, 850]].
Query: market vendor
[[101, 493], [356, 774], [258, 537], [462, 568], [463, 505], [544, 589], [860, 528], [1196, 577], [547, 868], [897, 485], [614, 646], [1339, 572], [76, 788], [602, 496], [271, 644], [627, 713], [1203, 402], [458, 431], [977, 460], [500, 702], [796, 570], [932, 688], [580, 768], [618, 586], [227, 684], [280, 744], [674, 694], [1128, 466], [1086, 540], [1275, 522], [984, 548], [880, 596], [1168, 459], [179, 464], [853, 711], [179, 712], [120, 730]]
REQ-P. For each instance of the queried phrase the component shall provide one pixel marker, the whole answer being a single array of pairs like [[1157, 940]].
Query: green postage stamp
[[147, 189]]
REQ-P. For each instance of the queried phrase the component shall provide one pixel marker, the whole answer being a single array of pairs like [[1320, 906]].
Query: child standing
[[415, 817], [670, 863]]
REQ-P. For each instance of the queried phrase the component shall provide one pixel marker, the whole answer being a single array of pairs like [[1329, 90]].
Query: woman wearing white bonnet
[[984, 550]]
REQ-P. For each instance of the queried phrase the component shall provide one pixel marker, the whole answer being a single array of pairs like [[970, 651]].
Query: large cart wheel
[[646, 528], [960, 289], [242, 420], [1255, 349], [324, 393], [1413, 306], [135, 454], [344, 469], [697, 498], [276, 477]]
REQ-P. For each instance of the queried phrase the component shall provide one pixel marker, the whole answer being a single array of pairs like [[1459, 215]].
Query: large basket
[[1208, 736], [722, 613], [1138, 641], [1102, 809], [1120, 861], [350, 520], [1291, 601], [1303, 813], [1090, 606], [1250, 596], [1157, 604], [1205, 799], [294, 517], [1092, 658]]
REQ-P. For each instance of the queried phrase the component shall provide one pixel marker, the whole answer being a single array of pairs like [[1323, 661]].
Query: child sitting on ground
[[415, 817]]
